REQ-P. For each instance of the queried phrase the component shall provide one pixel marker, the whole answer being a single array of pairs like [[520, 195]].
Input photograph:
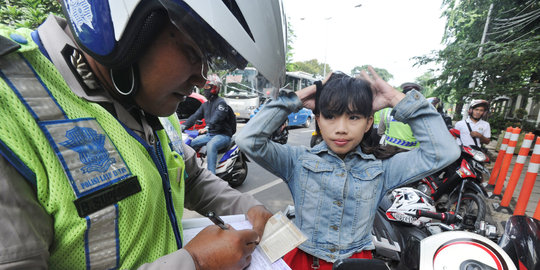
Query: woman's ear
[[369, 123]]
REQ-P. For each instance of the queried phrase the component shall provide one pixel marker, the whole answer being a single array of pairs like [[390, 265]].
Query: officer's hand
[[202, 130], [215, 248], [258, 216]]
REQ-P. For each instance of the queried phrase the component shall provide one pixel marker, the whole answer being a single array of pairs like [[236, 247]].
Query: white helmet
[[462, 250], [229, 33], [406, 202]]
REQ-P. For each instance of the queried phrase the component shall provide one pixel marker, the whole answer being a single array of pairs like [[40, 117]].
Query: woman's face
[[169, 71], [343, 133]]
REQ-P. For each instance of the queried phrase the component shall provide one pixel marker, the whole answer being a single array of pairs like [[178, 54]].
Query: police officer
[[93, 173], [392, 132]]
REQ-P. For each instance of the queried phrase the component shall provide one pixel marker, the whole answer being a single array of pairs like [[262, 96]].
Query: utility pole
[[472, 84]]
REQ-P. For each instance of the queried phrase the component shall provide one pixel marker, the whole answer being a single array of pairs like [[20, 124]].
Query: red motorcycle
[[458, 187]]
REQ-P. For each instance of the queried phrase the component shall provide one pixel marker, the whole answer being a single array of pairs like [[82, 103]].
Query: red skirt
[[299, 260]]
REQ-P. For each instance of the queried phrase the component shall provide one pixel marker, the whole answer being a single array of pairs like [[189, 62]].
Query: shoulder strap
[[470, 130]]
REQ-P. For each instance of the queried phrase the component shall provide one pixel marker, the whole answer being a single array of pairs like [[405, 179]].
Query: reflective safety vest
[[116, 201], [396, 133]]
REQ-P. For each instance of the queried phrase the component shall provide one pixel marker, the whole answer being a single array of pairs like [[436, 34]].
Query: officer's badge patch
[[90, 146]]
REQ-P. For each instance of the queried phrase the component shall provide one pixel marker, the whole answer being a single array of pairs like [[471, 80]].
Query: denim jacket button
[[332, 249], [334, 227], [338, 203]]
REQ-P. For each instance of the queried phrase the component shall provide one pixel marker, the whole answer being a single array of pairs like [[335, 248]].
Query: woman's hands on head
[[384, 95], [307, 95]]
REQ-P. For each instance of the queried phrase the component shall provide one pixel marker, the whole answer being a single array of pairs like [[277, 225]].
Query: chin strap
[[126, 81]]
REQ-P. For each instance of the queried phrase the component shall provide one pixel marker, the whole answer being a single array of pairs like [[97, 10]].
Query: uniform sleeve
[[26, 230], [207, 192]]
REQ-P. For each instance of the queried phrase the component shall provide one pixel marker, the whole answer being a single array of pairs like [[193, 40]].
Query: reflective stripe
[[400, 142], [24, 81], [89, 158], [101, 239]]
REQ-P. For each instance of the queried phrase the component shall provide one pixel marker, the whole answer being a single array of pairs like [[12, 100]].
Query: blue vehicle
[[302, 118]]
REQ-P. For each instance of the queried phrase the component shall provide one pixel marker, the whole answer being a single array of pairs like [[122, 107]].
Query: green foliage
[[28, 13], [311, 66], [510, 60], [385, 75], [521, 113], [290, 40]]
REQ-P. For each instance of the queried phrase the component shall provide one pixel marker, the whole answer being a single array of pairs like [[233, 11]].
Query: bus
[[245, 90]]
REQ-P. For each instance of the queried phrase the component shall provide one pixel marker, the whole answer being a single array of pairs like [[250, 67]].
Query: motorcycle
[[519, 246], [405, 217], [231, 162], [458, 187]]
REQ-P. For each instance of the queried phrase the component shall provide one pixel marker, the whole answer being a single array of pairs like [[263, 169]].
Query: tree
[[385, 75], [510, 62], [311, 66], [290, 40], [28, 13]]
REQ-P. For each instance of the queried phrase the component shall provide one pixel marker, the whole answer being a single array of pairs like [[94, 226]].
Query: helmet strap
[[125, 81]]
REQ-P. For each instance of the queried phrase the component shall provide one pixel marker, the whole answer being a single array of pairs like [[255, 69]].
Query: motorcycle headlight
[[478, 155]]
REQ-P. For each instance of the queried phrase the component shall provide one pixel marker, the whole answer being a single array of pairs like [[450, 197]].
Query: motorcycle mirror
[[456, 133]]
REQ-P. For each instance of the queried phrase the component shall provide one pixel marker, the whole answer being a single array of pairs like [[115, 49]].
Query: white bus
[[243, 91], [246, 89]]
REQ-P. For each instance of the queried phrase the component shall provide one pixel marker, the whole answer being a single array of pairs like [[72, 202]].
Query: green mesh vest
[[396, 133], [134, 230]]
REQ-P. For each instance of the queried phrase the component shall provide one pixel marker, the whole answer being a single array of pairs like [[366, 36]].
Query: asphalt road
[[264, 186]]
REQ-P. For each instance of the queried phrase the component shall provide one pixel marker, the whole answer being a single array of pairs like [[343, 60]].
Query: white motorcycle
[[231, 162]]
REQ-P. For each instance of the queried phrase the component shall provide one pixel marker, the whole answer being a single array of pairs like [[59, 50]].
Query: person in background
[[220, 122], [475, 131], [438, 105], [93, 171], [337, 185], [395, 133]]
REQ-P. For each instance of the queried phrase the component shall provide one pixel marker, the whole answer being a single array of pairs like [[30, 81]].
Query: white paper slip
[[280, 236], [259, 261]]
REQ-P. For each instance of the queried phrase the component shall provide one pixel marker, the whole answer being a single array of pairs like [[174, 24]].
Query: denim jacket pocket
[[315, 172], [365, 184]]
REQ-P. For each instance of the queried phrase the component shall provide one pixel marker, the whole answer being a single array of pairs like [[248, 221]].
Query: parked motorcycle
[[458, 187], [231, 165], [405, 217], [518, 248]]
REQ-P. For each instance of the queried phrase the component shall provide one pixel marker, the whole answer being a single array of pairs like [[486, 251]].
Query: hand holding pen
[[222, 247]]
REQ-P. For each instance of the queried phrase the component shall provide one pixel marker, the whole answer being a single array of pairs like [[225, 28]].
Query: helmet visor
[[213, 50]]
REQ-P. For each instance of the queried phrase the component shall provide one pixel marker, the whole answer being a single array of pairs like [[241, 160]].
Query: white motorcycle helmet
[[406, 202], [228, 33], [462, 250]]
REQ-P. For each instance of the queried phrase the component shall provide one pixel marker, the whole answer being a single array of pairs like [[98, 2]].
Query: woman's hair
[[345, 94]]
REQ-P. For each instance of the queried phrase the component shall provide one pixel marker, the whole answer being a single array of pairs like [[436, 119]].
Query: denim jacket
[[335, 199]]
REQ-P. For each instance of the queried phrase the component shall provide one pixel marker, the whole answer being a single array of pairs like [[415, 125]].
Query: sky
[[381, 33]]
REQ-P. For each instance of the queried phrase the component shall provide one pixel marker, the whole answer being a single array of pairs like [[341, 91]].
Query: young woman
[[337, 184]]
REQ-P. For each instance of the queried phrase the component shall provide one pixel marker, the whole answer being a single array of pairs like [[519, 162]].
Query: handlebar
[[446, 217]]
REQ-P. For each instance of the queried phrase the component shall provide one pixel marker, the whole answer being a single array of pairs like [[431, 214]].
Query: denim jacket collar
[[323, 147]]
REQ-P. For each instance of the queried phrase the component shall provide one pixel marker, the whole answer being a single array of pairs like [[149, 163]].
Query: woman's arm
[[254, 138]]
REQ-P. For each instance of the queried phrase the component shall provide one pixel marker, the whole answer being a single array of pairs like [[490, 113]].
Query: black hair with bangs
[[344, 94]]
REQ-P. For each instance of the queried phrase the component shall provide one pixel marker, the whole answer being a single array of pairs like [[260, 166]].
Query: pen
[[217, 220]]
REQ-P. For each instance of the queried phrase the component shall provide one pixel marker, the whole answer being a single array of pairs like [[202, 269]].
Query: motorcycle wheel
[[472, 209], [239, 173]]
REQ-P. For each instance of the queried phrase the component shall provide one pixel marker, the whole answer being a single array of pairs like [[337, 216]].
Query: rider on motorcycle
[[220, 122]]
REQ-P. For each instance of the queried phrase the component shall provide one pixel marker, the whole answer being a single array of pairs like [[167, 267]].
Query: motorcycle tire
[[472, 209], [240, 172]]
